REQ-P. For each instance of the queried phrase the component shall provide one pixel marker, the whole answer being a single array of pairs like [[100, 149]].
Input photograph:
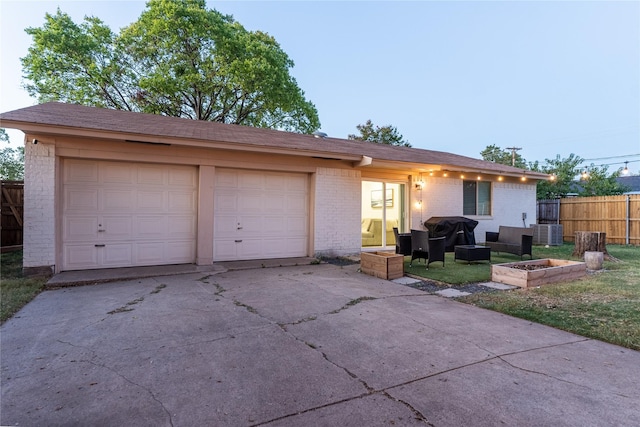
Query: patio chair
[[403, 242], [436, 250], [419, 245]]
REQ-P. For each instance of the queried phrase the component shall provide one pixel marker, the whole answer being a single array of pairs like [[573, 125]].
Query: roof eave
[[55, 130]]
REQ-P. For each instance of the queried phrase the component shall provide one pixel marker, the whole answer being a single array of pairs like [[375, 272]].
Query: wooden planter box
[[385, 265], [555, 270]]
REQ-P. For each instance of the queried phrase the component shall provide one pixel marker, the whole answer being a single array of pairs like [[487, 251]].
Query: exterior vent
[[547, 234]]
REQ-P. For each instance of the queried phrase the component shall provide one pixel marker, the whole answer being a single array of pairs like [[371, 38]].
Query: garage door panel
[[274, 203], [251, 180], [180, 252], [80, 228], [295, 204], [81, 256], [80, 200], [130, 202], [149, 253], [181, 177], [181, 227], [84, 172], [117, 200], [116, 254], [225, 227], [116, 227], [114, 173], [225, 249], [150, 200], [297, 226], [298, 184], [151, 227], [151, 175], [224, 201], [181, 202]]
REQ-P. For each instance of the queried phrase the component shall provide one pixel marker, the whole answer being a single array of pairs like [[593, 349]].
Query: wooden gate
[[12, 213]]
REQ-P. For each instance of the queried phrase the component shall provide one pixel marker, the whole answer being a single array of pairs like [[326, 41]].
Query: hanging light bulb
[[625, 171]]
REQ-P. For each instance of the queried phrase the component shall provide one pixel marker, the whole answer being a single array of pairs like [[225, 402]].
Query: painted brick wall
[[510, 200], [443, 197], [39, 206], [337, 212]]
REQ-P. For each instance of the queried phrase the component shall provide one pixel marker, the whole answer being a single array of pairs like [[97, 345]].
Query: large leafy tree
[[495, 154], [569, 177], [596, 181], [178, 59], [563, 172], [383, 135], [11, 160]]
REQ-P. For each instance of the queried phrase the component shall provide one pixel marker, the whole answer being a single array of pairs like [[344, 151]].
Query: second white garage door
[[260, 215]]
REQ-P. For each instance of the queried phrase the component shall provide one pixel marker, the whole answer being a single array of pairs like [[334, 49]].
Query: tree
[[178, 59], [563, 172], [495, 154], [597, 182], [383, 135], [11, 160]]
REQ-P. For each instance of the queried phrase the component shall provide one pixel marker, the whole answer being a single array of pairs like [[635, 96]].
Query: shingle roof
[[61, 118], [633, 182]]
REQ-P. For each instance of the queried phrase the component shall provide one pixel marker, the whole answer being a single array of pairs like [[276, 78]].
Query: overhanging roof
[[77, 120]]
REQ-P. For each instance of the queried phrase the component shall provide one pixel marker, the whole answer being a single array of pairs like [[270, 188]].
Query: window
[[476, 196]]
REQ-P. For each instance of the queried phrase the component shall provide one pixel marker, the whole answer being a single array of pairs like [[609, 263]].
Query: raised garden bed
[[527, 274], [384, 265]]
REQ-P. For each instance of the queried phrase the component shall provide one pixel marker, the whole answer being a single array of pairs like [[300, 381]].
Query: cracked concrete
[[290, 346]]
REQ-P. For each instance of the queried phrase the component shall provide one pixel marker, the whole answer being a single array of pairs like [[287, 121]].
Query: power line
[[612, 157]]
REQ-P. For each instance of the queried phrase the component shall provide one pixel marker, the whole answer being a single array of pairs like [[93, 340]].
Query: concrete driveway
[[314, 345]]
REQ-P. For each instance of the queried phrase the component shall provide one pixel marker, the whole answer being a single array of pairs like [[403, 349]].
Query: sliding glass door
[[383, 208]]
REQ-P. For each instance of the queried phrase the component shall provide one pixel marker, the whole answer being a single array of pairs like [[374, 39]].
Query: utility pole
[[513, 154]]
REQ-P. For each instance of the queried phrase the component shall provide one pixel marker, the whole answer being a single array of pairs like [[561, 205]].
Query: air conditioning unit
[[547, 234]]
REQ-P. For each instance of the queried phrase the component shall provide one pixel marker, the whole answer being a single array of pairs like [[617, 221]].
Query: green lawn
[[604, 305], [15, 290]]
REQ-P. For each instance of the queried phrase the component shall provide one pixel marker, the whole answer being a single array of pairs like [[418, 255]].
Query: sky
[[549, 77]]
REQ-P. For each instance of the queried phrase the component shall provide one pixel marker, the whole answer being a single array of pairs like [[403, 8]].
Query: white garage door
[[119, 214], [259, 215]]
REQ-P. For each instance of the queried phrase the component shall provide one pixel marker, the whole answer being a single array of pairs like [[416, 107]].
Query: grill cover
[[458, 230]]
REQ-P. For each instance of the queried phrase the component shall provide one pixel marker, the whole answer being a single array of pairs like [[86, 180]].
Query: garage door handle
[[99, 246], [238, 241]]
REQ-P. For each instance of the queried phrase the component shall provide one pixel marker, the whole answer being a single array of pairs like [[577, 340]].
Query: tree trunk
[[591, 241]]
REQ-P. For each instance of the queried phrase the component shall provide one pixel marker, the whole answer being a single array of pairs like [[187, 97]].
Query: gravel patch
[[433, 287]]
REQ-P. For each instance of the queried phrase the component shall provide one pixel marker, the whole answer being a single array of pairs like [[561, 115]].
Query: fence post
[[628, 213]]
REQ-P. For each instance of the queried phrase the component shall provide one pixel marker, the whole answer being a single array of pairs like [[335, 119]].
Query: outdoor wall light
[[500, 178], [34, 141]]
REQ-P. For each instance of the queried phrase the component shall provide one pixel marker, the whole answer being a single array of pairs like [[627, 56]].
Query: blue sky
[[553, 78]]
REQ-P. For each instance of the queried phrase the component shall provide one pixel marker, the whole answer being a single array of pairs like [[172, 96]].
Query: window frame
[[466, 184]]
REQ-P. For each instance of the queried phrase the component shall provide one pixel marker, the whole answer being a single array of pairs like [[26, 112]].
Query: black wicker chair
[[419, 245], [436, 250], [403, 242]]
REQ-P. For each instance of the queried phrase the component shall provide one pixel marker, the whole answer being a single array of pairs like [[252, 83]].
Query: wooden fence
[[618, 216], [12, 212]]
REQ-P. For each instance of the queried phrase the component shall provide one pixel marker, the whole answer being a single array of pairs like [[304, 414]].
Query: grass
[[603, 306], [15, 290]]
